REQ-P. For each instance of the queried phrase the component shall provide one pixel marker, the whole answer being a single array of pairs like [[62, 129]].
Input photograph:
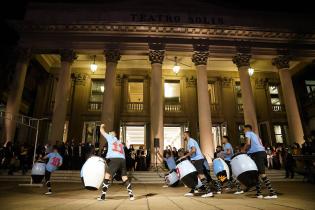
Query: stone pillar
[[242, 62], [294, 120], [61, 96], [108, 106], [156, 57], [15, 93], [200, 58]]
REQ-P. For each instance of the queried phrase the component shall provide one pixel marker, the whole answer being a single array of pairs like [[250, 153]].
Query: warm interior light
[[102, 89], [176, 67], [250, 71], [93, 66]]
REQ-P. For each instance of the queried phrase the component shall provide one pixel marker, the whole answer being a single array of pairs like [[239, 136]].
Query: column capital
[[241, 59], [282, 62], [112, 55], [156, 52], [200, 57], [79, 78], [67, 55], [23, 54]]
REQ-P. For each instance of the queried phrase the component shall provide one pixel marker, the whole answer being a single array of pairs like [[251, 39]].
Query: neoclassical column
[[241, 60], [62, 94], [112, 56], [15, 92], [156, 57], [294, 120], [199, 58]]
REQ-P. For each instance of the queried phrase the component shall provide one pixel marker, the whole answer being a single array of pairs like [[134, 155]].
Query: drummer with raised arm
[[257, 152], [117, 162], [197, 160]]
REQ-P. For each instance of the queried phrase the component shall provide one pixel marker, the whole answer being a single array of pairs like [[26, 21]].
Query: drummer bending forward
[[197, 160], [257, 152], [54, 161], [117, 162]]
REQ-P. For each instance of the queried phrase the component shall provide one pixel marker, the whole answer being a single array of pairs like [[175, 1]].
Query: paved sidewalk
[[293, 195]]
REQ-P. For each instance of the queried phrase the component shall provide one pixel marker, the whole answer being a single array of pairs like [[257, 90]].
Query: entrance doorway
[[134, 135], [91, 132], [218, 131], [173, 136]]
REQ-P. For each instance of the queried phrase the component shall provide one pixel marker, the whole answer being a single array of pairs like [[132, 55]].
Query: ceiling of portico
[[52, 61]]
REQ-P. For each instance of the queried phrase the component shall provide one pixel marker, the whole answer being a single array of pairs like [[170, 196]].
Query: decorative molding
[[260, 83], [282, 61], [156, 52], [67, 55], [112, 55], [79, 78], [226, 82], [241, 59], [191, 82], [234, 33], [200, 57]]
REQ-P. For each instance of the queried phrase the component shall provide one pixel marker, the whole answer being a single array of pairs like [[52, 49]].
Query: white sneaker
[[227, 189], [239, 192], [271, 197], [207, 195], [48, 193], [219, 192], [260, 196], [165, 186], [189, 194], [132, 198]]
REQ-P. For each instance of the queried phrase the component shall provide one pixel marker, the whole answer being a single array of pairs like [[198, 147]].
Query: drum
[[244, 169], [187, 173], [93, 172], [38, 172], [221, 170], [172, 179]]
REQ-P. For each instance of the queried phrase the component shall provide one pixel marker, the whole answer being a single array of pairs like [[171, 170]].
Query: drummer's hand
[[102, 125]]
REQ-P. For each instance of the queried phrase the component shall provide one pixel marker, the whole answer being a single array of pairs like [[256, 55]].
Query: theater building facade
[[153, 71]]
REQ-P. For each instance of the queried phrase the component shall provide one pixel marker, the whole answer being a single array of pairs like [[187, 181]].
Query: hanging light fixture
[[93, 66], [176, 67], [250, 71]]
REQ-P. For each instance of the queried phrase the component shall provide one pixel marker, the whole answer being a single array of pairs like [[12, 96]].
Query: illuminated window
[[172, 91], [274, 95], [135, 92], [310, 88], [213, 94], [278, 133], [97, 91]]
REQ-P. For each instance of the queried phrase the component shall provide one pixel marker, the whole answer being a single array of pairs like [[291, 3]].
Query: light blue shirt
[[54, 160], [171, 164], [115, 147], [225, 148], [198, 154], [255, 144]]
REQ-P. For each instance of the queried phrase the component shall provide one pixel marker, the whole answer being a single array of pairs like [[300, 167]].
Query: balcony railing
[[95, 106], [173, 107], [134, 106], [240, 108], [277, 108]]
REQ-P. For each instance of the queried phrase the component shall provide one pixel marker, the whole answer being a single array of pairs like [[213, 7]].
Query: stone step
[[151, 177]]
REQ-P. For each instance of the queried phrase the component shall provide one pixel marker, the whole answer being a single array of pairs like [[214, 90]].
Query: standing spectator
[[132, 153], [269, 158], [24, 159], [175, 153], [289, 164]]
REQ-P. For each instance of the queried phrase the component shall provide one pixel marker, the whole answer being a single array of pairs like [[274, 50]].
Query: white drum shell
[[93, 172], [171, 178], [242, 163], [185, 167], [39, 169]]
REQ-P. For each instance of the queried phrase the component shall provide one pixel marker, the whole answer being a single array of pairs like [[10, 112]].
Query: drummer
[[169, 159], [117, 162], [257, 152], [228, 152], [197, 160], [54, 161]]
